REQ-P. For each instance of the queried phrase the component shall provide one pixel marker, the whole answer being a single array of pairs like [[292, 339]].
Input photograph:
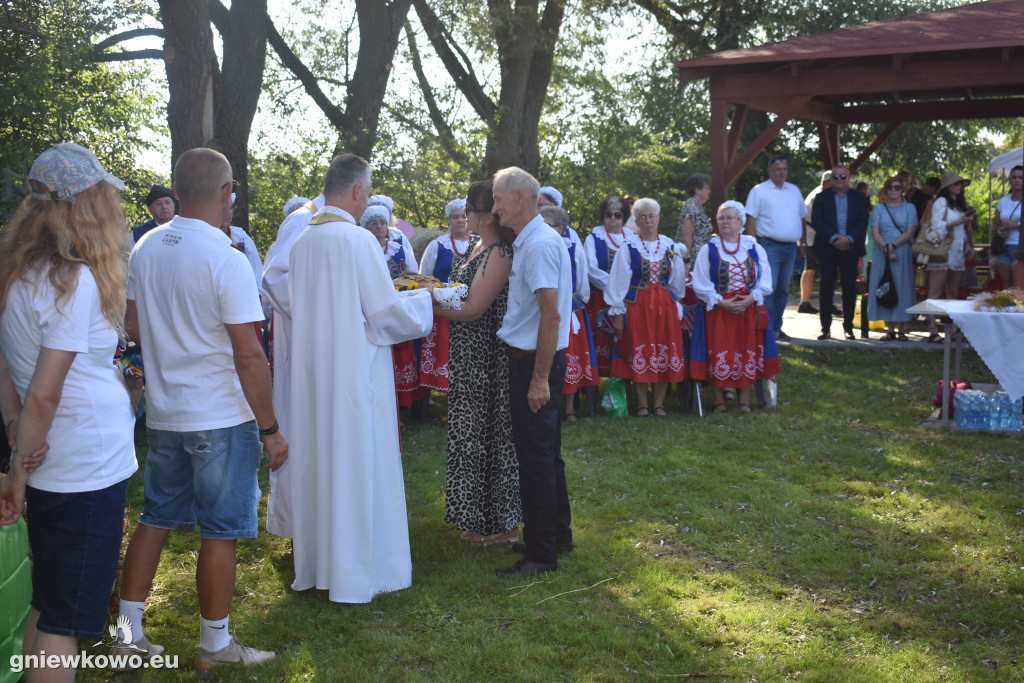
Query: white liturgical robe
[[275, 286], [351, 532]]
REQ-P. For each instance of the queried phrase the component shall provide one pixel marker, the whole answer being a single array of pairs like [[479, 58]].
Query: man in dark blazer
[[840, 220]]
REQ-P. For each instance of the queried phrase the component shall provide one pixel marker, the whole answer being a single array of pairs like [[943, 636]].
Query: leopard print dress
[[483, 474]]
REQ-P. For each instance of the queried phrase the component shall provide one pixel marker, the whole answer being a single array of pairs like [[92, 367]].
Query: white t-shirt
[[188, 283], [779, 211], [92, 436], [1009, 210]]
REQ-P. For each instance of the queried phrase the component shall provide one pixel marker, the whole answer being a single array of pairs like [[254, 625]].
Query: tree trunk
[[244, 34], [192, 74]]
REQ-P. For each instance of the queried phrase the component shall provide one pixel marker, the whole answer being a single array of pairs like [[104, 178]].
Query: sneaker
[[782, 336], [234, 653], [806, 307], [122, 650]]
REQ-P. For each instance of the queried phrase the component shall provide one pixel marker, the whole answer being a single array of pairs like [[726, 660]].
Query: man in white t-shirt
[[775, 211], [192, 302]]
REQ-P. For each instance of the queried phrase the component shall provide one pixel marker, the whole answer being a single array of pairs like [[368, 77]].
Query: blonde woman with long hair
[[62, 292]]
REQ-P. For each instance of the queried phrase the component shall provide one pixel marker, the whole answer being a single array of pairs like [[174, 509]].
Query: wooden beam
[[720, 156], [766, 136], [739, 118], [879, 141], [929, 111], [939, 75]]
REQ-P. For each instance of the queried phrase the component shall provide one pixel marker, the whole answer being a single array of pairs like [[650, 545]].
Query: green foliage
[[50, 92]]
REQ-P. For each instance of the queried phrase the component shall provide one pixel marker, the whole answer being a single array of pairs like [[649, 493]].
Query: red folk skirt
[[407, 375], [655, 339], [735, 351], [434, 357], [580, 365]]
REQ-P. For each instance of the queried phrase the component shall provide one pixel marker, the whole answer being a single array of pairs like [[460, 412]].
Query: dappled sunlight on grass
[[832, 539]]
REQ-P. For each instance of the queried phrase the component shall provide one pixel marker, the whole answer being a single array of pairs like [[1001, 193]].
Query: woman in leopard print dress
[[483, 474]]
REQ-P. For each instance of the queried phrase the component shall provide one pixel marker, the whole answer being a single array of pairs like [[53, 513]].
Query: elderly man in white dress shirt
[[536, 329]]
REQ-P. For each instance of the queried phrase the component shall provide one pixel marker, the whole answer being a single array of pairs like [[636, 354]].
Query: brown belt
[[520, 353]]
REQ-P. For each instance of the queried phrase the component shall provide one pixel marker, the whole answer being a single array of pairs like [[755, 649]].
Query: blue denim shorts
[[1007, 256], [76, 542], [207, 478]]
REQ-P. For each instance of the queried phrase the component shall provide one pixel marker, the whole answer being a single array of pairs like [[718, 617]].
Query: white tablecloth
[[997, 337]]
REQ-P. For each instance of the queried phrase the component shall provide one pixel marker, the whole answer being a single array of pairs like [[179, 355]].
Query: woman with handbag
[[1006, 230], [893, 224], [734, 347], [950, 215]]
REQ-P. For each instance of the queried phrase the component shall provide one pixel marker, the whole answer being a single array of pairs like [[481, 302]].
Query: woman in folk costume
[[646, 278], [580, 356], [407, 375], [601, 245], [438, 258], [394, 234], [731, 347]]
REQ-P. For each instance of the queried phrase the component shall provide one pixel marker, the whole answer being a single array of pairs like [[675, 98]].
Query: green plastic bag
[[613, 403], [15, 593]]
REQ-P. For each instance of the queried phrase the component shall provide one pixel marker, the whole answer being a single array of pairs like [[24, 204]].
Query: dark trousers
[[538, 441], [846, 262]]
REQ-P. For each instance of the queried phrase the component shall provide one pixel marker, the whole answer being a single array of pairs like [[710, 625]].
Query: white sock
[[213, 634], [133, 611]]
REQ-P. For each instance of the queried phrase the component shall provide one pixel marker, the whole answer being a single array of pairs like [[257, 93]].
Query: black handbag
[[885, 292]]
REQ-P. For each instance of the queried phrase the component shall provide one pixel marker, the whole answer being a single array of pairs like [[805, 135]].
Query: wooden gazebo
[[960, 63]]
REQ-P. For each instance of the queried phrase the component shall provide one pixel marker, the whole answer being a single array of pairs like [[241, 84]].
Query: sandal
[[660, 411], [719, 408], [744, 407], [935, 338], [889, 336], [642, 412]]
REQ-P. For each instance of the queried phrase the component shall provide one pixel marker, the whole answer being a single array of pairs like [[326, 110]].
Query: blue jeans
[[781, 258], [207, 477]]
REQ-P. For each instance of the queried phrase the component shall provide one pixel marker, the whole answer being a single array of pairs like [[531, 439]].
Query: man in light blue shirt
[[536, 329]]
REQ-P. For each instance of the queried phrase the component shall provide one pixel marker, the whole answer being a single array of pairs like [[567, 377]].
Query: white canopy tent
[[1004, 162], [1000, 167]]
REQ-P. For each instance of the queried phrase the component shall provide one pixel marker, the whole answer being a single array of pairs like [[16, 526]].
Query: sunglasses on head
[[613, 214]]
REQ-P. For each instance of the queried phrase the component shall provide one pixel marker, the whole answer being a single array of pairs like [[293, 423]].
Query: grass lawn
[[832, 539]]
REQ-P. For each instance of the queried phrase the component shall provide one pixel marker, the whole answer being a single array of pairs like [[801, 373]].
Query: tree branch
[[444, 131], [445, 47], [309, 82], [128, 56], [110, 41]]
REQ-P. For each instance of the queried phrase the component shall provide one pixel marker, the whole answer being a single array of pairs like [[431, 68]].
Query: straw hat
[[950, 178]]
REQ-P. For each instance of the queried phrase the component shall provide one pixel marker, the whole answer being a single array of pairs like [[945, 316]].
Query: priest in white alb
[[275, 286], [350, 529]]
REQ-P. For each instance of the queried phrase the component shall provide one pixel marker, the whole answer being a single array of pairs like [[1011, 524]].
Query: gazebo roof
[[985, 25]]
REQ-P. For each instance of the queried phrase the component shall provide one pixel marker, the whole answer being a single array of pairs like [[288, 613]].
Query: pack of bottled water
[[976, 409]]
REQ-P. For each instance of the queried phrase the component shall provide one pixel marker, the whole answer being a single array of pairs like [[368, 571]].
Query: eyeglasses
[[894, 187], [729, 219], [613, 214], [232, 183], [839, 176], [647, 216]]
